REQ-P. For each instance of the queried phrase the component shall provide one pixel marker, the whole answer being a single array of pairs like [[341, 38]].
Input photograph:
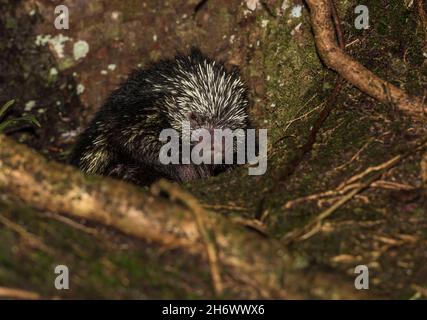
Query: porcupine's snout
[[216, 144]]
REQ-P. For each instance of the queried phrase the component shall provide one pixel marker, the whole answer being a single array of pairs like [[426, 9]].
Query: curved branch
[[351, 70]]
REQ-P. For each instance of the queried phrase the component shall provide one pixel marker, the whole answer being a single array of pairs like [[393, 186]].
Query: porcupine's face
[[207, 96]]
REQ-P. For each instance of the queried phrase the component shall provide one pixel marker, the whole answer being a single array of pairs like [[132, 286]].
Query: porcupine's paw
[[135, 173], [189, 172], [125, 172]]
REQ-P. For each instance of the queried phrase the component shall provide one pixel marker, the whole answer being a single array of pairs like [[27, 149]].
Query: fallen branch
[[11, 293], [352, 71], [261, 264]]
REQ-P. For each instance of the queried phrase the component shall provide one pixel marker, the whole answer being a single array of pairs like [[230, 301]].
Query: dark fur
[[135, 112]]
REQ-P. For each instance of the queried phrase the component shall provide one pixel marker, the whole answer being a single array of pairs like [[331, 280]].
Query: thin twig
[[314, 226], [254, 224], [28, 237], [343, 189], [201, 220], [377, 171], [217, 207], [355, 156]]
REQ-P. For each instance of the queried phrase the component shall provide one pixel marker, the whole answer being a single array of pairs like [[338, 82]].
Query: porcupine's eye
[[195, 120]]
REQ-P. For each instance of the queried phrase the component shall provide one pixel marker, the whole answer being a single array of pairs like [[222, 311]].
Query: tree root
[[352, 71]]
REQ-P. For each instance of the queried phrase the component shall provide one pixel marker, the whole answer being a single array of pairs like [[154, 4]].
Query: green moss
[[292, 72], [394, 36], [98, 268]]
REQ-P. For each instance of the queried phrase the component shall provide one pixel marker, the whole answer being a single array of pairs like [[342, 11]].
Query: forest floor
[[383, 227]]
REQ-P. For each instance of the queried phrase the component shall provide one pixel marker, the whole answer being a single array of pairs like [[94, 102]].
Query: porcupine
[[122, 140]]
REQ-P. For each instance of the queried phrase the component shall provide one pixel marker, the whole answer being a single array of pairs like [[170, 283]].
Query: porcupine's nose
[[217, 141], [212, 133], [217, 144]]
